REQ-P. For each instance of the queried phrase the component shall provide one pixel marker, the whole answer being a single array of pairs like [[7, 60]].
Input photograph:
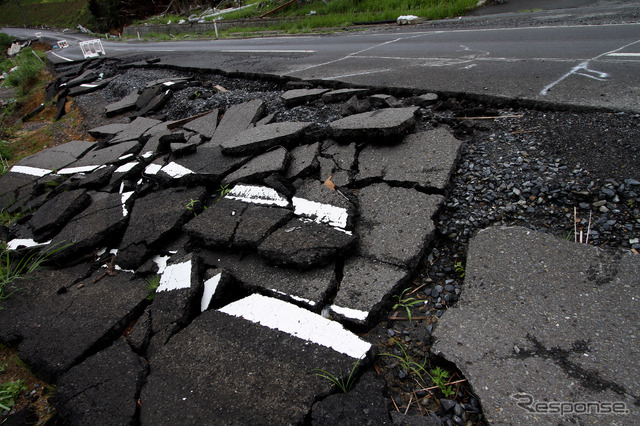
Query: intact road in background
[[595, 66]]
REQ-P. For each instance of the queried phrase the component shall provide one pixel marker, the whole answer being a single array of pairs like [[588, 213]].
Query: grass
[[406, 302], [14, 267], [223, 191], [458, 267], [152, 286], [29, 64], [339, 380], [9, 391], [55, 13]]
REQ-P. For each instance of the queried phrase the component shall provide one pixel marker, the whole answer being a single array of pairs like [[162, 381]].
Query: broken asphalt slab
[[383, 125], [562, 335], [260, 372]]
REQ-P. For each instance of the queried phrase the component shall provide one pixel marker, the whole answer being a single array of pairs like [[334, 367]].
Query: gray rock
[[398, 235], [301, 96], [199, 371], [427, 99], [55, 213], [256, 169], [311, 287], [401, 419], [103, 389], [128, 103], [365, 404], [574, 348], [259, 139], [153, 218], [427, 159], [305, 245], [366, 288], [236, 119], [382, 125], [303, 160], [383, 101], [205, 126], [342, 95]]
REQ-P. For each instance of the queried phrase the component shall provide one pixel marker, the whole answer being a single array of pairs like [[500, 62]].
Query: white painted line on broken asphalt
[[62, 57], [31, 171], [176, 277], [298, 322], [266, 51]]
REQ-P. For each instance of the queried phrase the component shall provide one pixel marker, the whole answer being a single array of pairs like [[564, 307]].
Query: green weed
[[406, 302], [223, 191], [408, 364], [440, 378], [459, 268], [152, 286], [342, 383], [9, 391]]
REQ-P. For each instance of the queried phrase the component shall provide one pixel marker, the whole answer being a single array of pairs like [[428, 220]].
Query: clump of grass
[[9, 391], [440, 378], [14, 267], [29, 65], [407, 363], [342, 383]]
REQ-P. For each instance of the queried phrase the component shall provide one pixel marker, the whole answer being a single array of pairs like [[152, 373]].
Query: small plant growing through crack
[[342, 383], [459, 268], [191, 206], [9, 391], [223, 191], [406, 302], [152, 286], [408, 364], [440, 378]]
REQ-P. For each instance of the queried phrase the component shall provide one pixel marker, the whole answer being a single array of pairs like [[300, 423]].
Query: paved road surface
[[589, 65]]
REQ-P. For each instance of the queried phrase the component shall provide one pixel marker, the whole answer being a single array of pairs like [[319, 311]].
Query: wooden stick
[[490, 118]]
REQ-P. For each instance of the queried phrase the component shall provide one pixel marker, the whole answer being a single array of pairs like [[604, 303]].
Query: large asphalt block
[[426, 159], [258, 139], [103, 389], [135, 130], [341, 95], [259, 167], [205, 126], [319, 203], [125, 104], [55, 158], [395, 224], [252, 362], [365, 404], [231, 223], [238, 118], [208, 165], [311, 287], [546, 327], [96, 226], [365, 289], [176, 301], [55, 213], [303, 160], [383, 125], [108, 130], [304, 244], [154, 217], [114, 154], [60, 317], [295, 97]]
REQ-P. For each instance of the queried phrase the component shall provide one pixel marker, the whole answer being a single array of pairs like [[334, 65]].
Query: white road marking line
[[265, 51], [62, 57], [624, 54], [583, 69]]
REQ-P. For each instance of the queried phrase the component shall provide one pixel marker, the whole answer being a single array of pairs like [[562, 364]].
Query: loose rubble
[[329, 207]]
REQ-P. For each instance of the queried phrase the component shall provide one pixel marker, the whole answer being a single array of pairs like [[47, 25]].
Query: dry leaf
[[329, 183]]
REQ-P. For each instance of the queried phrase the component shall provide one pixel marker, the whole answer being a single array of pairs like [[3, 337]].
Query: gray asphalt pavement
[[584, 65]]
